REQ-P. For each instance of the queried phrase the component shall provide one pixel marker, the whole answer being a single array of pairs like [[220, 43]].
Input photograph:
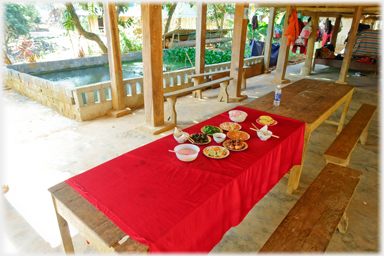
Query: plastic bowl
[[183, 138], [264, 137], [219, 137], [237, 118], [187, 158]]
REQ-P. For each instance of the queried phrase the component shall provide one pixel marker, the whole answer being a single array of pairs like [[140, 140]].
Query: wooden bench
[[171, 97], [311, 223], [198, 78], [341, 149]]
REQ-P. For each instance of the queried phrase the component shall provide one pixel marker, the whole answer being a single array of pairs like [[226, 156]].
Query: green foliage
[[15, 21], [216, 12], [32, 14], [84, 22], [178, 54], [129, 44], [68, 22]]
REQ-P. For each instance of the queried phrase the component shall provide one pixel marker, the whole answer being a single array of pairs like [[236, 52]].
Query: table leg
[[344, 114], [295, 173], [66, 240]]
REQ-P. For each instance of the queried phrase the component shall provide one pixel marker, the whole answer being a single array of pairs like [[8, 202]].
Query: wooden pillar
[[152, 63], [114, 59], [335, 31], [201, 24], [306, 69], [268, 40], [282, 59], [238, 48], [349, 46]]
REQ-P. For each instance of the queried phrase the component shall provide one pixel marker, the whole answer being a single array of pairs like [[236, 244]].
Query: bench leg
[[243, 81], [364, 135], [223, 94], [171, 111], [295, 172], [197, 93], [344, 114], [343, 224]]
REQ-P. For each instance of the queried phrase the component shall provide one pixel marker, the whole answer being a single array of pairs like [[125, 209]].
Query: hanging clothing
[[293, 30], [256, 47], [255, 23]]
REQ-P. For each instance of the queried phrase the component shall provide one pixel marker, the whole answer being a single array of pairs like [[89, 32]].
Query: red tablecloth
[[174, 206]]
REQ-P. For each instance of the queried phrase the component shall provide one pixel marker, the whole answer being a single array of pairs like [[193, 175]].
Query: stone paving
[[42, 148]]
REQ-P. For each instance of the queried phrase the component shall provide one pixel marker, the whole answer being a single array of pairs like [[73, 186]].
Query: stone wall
[[49, 66]]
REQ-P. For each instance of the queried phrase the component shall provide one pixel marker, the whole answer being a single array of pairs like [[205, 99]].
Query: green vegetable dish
[[208, 129]]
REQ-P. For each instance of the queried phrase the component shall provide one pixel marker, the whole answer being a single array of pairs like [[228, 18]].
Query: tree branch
[[82, 31]]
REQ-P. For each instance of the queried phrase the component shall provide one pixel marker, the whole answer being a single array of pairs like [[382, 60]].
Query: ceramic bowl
[[264, 137], [219, 137], [238, 119], [187, 158], [183, 138]]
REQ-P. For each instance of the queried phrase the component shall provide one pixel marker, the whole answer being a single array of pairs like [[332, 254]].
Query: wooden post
[[114, 59], [335, 31], [238, 48], [268, 40], [306, 69], [201, 28], [152, 63], [349, 46], [282, 59]]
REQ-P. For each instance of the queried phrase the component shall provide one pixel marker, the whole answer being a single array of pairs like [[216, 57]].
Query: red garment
[[174, 206], [293, 30]]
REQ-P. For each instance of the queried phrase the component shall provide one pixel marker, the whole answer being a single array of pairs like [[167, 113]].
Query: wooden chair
[[311, 223], [171, 97], [341, 149]]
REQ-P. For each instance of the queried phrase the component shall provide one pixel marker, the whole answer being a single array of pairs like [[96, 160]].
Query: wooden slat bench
[[341, 149], [198, 78], [172, 96], [311, 223]]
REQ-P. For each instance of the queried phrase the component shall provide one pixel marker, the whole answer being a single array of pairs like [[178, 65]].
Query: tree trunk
[[6, 59], [216, 19], [170, 14], [82, 31]]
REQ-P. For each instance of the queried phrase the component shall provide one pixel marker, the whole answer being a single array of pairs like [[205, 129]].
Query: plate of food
[[234, 145], [238, 135], [200, 138], [266, 120], [229, 126], [210, 130], [216, 152]]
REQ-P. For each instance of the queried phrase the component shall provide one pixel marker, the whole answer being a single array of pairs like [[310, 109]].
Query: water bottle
[[276, 101]]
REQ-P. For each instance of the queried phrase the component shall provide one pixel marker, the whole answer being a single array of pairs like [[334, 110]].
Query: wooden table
[[310, 101], [91, 223]]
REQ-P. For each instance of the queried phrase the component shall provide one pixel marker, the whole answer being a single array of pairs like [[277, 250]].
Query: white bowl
[[264, 137], [219, 137], [237, 118], [183, 138], [187, 158]]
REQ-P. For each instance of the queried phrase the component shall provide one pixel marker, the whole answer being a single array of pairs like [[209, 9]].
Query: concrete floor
[[42, 148]]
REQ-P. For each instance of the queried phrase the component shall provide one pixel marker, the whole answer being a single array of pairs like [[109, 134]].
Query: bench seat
[[341, 149], [171, 97], [311, 223]]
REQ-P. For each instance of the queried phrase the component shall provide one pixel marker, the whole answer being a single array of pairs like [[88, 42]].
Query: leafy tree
[[216, 12], [15, 22], [170, 7]]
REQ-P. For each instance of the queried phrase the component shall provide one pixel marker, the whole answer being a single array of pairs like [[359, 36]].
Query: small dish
[[258, 121], [238, 135], [237, 115], [187, 158], [264, 137], [219, 137], [220, 130], [228, 126], [209, 139], [213, 151], [226, 144]]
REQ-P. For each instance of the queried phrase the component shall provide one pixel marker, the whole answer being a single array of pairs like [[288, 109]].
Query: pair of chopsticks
[[258, 130], [189, 138]]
